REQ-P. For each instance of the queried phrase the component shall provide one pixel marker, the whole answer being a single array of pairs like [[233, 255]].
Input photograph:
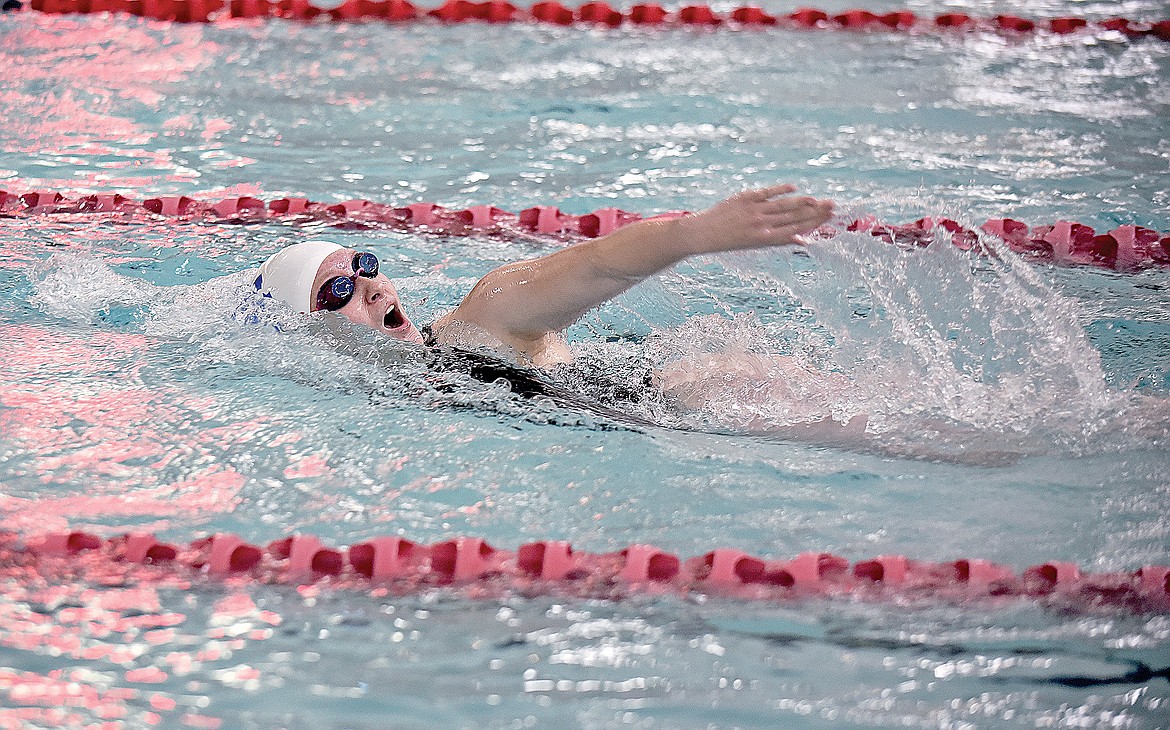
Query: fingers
[[789, 226], [814, 210], [773, 191], [806, 213], [782, 205], [770, 192]]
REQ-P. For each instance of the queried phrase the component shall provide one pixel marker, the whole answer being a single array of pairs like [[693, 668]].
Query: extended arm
[[523, 303]]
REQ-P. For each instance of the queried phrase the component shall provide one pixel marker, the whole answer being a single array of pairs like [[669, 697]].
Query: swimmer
[[519, 313], [521, 310]]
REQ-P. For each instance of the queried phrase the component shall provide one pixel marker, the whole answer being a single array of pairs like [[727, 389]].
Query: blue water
[[1017, 412]]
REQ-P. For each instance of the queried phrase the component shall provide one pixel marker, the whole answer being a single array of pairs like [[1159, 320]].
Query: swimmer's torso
[[603, 396]]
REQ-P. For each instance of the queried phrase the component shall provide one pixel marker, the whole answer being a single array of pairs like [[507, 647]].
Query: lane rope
[[548, 566], [1124, 248], [593, 14]]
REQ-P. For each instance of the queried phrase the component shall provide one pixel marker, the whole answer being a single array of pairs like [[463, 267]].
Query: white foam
[[80, 288]]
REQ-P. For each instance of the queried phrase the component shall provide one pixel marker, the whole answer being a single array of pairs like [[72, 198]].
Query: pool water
[[1015, 412]]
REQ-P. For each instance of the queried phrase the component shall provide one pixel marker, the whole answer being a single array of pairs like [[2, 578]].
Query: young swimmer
[[521, 310]]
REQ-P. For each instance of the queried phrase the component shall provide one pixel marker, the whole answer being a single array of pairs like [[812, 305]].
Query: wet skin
[[375, 301]]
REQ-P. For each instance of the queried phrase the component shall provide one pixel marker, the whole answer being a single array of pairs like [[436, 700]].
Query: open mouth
[[393, 319]]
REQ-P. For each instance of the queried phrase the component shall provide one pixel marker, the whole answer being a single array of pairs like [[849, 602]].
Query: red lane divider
[[555, 566], [590, 13], [1126, 247]]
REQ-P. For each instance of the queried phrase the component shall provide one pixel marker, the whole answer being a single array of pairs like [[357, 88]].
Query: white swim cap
[[288, 274]]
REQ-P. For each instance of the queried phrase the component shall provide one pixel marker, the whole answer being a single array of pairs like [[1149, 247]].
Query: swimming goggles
[[336, 292]]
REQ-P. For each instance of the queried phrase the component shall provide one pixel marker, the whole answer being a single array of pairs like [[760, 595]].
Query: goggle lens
[[366, 263], [336, 292]]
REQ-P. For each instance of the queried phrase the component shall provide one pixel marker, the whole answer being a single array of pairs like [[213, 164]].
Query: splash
[[82, 289], [940, 333], [935, 351]]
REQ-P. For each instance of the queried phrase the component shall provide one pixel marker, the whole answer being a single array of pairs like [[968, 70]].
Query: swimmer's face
[[374, 302]]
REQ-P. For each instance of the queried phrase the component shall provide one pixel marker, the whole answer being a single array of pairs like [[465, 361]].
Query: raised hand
[[768, 216]]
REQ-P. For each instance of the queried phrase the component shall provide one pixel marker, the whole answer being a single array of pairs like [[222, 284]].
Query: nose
[[371, 290]]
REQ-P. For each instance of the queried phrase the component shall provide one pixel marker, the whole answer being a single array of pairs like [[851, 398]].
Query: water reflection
[[87, 435]]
